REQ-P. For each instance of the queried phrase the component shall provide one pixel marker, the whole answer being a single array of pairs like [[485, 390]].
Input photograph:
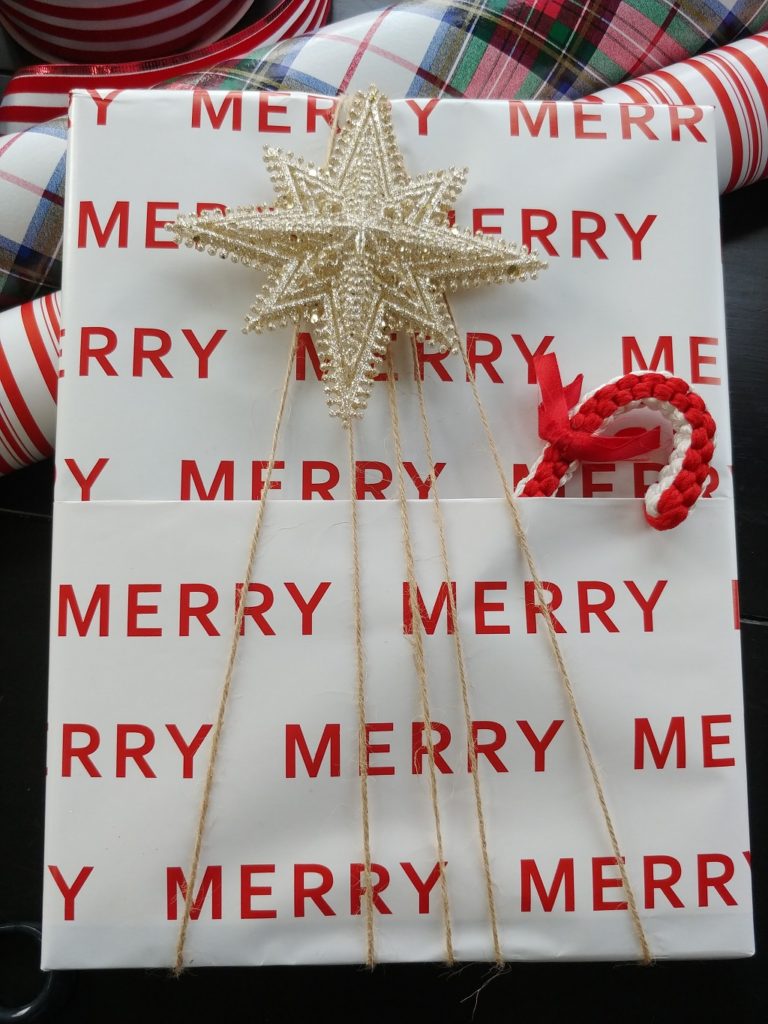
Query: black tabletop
[[728, 990]]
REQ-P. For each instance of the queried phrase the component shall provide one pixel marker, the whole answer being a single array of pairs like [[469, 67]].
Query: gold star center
[[357, 250]]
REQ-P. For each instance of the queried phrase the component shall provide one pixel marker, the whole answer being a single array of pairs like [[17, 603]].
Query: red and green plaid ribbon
[[535, 49]]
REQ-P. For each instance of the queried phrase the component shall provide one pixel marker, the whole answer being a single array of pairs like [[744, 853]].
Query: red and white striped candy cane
[[571, 426]]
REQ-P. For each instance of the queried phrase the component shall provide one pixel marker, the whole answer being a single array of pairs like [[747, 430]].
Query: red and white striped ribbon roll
[[41, 92], [734, 80], [29, 360], [107, 30]]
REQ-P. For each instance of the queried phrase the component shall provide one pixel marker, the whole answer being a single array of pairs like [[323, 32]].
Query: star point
[[357, 250]]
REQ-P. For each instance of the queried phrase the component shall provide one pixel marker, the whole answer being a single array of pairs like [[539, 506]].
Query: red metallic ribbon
[[579, 445]]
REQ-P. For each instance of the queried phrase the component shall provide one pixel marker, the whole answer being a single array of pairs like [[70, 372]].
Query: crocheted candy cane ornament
[[572, 437]]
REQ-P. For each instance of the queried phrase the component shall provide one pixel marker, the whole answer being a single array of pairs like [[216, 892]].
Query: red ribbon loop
[[578, 445]]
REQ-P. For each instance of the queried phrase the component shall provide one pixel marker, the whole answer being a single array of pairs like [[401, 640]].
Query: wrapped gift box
[[166, 417]]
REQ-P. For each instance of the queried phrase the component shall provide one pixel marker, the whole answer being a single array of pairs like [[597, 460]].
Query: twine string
[[417, 648], [461, 668], [362, 732], [360, 701], [522, 540], [226, 686]]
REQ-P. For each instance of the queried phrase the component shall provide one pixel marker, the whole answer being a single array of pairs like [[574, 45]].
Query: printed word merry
[[488, 738], [160, 354], [488, 355], [592, 121], [376, 480], [147, 609], [155, 352], [133, 743], [319, 480], [87, 750], [703, 880], [270, 111], [317, 890], [193, 606], [492, 742], [135, 749], [148, 349], [588, 120], [592, 602], [578, 234]]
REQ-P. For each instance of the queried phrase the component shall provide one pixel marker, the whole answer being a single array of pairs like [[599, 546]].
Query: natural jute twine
[[419, 661], [461, 668], [362, 734], [417, 647], [229, 671], [522, 540]]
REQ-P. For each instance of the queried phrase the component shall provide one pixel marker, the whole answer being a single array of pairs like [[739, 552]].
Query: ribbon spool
[[89, 30], [570, 426]]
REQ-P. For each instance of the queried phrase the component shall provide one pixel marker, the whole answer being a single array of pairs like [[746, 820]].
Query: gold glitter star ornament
[[357, 250]]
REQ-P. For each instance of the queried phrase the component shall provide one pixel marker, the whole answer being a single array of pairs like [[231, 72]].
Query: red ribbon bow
[[578, 445]]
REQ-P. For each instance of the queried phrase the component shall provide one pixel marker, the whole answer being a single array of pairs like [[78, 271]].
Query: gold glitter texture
[[357, 250]]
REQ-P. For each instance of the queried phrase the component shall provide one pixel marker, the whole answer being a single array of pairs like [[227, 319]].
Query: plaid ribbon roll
[[534, 49], [56, 30], [32, 165]]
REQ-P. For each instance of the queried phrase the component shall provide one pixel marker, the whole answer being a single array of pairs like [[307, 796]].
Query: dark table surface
[[730, 990]]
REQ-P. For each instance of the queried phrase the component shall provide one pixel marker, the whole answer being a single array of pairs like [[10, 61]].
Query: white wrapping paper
[[160, 450]]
